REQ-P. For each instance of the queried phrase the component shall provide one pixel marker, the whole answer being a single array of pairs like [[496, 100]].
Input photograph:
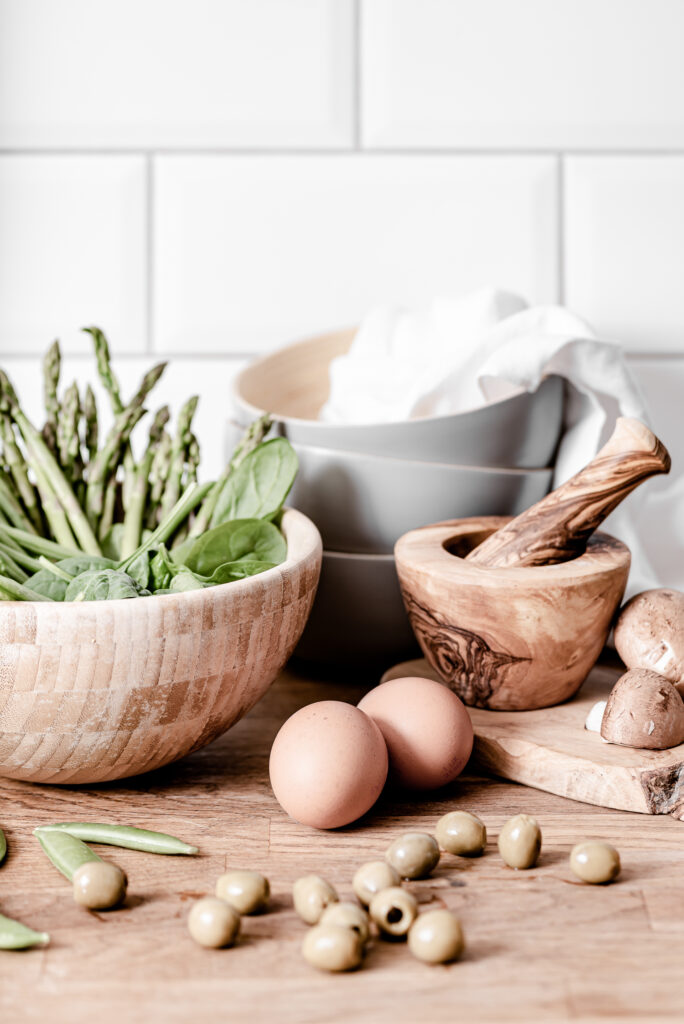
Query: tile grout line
[[358, 144], [149, 252], [424, 150], [560, 229]]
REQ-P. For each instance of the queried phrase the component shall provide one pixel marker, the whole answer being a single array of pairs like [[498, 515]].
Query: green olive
[[99, 885], [247, 891], [394, 910], [413, 855], [331, 947], [595, 862], [461, 833], [213, 923], [373, 877], [520, 841], [436, 937], [348, 915], [311, 895]]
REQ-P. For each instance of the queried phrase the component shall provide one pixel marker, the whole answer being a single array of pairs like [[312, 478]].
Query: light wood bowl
[[509, 639], [103, 690]]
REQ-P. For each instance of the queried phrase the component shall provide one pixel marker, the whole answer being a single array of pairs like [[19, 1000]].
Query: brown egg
[[427, 730], [328, 764]]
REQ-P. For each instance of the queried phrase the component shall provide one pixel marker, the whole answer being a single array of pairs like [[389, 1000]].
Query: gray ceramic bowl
[[292, 384], [358, 616], [363, 503]]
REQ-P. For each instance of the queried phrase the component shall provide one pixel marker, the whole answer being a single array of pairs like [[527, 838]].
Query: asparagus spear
[[13, 552], [135, 505], [176, 517], [177, 456], [52, 364], [193, 460], [46, 467], [104, 368], [11, 508], [108, 508], [17, 467], [100, 470], [10, 590], [253, 436], [157, 479], [39, 545], [68, 441], [53, 510], [8, 567], [111, 386], [91, 422]]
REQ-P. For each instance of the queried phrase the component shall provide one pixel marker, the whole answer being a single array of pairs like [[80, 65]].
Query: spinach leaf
[[103, 585], [46, 583], [162, 569], [257, 488], [139, 569], [250, 540], [111, 545], [231, 571], [185, 580]]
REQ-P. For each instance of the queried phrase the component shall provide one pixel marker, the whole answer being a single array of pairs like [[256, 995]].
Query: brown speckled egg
[[328, 764], [427, 730]]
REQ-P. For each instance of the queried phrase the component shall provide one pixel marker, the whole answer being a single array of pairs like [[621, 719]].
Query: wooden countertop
[[541, 947]]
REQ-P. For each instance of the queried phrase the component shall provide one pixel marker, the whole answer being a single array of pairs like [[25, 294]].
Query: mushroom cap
[[649, 633], [644, 710]]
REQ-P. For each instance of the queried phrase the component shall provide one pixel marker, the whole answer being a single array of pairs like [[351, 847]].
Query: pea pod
[[65, 851], [127, 836], [3, 846], [14, 935]]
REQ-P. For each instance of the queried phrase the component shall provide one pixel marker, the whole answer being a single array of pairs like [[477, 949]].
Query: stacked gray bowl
[[366, 485]]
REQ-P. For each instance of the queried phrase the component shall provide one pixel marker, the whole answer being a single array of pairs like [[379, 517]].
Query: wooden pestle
[[558, 527]]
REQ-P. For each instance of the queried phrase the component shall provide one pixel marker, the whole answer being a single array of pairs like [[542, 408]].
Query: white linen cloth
[[465, 351]]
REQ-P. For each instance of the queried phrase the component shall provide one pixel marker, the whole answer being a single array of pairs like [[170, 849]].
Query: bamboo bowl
[[511, 639], [103, 690]]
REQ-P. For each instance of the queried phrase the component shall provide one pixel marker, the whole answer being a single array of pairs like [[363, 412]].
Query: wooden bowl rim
[[424, 550], [299, 549], [303, 343]]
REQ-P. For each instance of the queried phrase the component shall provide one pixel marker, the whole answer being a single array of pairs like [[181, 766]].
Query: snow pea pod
[[14, 935], [3, 846], [127, 836], [65, 851]]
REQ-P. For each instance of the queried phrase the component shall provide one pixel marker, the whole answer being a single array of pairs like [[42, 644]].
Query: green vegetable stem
[[126, 836], [65, 851], [14, 935]]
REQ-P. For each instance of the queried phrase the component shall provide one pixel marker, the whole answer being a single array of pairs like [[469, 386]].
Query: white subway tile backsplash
[[176, 73], [72, 251], [253, 251], [534, 73], [209, 378], [624, 248]]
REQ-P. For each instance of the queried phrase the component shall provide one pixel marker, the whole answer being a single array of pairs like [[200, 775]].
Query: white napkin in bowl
[[466, 351]]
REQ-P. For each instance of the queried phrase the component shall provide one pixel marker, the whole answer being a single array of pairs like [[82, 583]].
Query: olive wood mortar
[[508, 638], [106, 689], [513, 613]]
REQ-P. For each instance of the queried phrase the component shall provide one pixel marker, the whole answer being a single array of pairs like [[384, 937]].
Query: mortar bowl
[[511, 639]]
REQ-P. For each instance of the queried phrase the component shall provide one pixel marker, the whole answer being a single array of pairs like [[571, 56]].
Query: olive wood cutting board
[[550, 749]]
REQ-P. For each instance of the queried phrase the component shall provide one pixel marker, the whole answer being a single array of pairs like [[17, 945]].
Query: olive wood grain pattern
[[558, 527], [551, 750], [102, 690], [513, 638], [541, 947]]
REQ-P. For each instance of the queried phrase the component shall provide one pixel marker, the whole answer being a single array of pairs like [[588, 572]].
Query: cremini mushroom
[[649, 634], [644, 710]]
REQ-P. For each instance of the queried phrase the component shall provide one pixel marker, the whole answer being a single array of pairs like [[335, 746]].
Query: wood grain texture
[[558, 527], [551, 750], [514, 638], [541, 947], [103, 690]]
